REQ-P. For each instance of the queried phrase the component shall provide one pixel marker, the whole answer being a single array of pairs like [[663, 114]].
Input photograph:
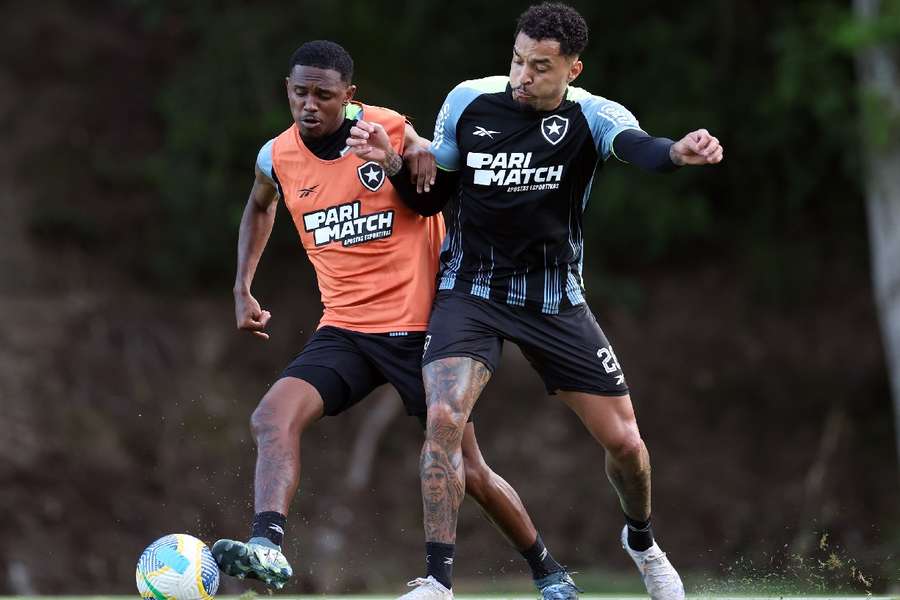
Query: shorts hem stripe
[[587, 390], [459, 354]]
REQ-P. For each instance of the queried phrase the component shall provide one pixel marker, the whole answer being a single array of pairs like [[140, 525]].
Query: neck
[[329, 146], [307, 139], [554, 103]]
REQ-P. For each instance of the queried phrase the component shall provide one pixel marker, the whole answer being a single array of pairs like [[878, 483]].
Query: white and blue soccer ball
[[177, 567]]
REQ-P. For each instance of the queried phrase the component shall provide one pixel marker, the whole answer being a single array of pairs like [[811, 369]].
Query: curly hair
[[555, 21], [324, 55]]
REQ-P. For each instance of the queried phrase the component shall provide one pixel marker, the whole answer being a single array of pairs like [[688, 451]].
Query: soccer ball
[[177, 567]]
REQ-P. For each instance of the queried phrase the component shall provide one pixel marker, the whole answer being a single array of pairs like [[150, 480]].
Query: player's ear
[[575, 70], [348, 95]]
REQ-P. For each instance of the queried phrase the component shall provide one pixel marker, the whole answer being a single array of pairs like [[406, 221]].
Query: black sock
[[640, 535], [270, 525], [540, 560], [439, 562]]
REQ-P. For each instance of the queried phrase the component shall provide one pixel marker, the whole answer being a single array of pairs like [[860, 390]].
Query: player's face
[[317, 98], [539, 74]]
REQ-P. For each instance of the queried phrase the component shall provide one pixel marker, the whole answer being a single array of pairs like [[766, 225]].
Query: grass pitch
[[247, 596]]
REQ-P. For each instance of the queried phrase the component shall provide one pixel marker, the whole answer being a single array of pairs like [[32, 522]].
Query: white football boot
[[427, 588], [660, 577]]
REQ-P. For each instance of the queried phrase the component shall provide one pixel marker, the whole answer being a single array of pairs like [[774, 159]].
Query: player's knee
[[442, 416], [275, 417], [260, 423], [626, 447], [265, 424]]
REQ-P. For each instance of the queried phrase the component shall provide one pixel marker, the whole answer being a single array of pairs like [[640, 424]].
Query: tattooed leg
[[452, 385], [611, 421], [288, 408]]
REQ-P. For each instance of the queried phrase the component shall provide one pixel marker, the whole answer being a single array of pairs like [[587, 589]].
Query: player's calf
[[289, 407], [502, 505], [628, 470]]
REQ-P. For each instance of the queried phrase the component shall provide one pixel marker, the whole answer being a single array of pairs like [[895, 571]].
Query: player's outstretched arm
[[256, 226], [697, 148]]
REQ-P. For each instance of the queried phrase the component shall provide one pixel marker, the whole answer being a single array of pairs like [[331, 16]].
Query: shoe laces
[[561, 588], [427, 587], [267, 554]]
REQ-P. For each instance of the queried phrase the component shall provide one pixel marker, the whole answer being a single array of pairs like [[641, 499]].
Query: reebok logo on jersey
[[514, 170], [345, 224], [482, 132], [304, 192], [371, 175], [554, 128]]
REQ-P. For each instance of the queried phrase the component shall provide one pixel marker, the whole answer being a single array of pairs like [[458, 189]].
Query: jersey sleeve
[[444, 145], [264, 160], [606, 118]]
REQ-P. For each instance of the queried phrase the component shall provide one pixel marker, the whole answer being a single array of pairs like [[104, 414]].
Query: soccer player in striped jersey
[[518, 155], [375, 262]]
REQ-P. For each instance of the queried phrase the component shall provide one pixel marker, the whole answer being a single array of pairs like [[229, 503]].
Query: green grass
[[247, 596]]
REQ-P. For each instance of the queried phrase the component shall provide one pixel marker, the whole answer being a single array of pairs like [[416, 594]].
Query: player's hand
[[697, 148], [250, 317], [421, 164], [370, 141]]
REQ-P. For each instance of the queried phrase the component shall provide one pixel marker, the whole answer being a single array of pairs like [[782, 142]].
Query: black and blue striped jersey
[[515, 224]]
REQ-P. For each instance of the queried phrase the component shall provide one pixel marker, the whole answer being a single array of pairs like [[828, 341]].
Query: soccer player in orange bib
[[375, 260]]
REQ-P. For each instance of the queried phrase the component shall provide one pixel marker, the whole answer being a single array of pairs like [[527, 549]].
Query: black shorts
[[345, 366], [568, 350]]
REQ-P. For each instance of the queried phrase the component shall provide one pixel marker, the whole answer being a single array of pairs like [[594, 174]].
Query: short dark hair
[[555, 21], [324, 55]]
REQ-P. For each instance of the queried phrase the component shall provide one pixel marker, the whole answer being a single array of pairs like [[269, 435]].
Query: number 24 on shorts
[[610, 362]]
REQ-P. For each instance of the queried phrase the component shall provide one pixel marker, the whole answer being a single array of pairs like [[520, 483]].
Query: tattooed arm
[[370, 141], [415, 176]]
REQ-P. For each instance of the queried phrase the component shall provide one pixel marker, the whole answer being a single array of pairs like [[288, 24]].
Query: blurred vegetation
[[774, 81], [133, 126]]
